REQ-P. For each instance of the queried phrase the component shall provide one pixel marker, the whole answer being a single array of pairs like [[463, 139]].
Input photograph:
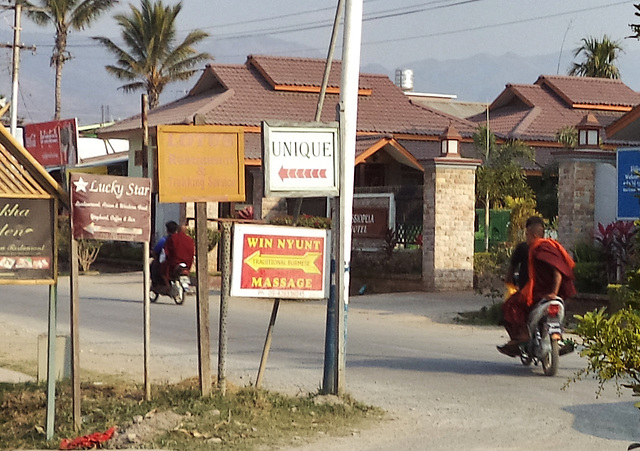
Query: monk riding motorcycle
[[545, 343], [179, 285]]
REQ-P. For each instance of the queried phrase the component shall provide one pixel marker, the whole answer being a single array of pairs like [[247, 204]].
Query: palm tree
[[501, 175], [65, 16], [599, 58], [152, 59]]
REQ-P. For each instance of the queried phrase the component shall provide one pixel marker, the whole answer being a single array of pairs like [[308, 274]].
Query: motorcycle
[[545, 336], [179, 285]]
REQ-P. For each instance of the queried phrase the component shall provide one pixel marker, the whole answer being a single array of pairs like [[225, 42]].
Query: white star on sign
[[81, 185]]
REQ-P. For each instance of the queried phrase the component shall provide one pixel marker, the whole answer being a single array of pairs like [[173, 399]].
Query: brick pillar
[[448, 224], [577, 194]]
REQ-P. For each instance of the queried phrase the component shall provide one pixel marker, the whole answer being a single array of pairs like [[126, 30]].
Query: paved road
[[443, 384]]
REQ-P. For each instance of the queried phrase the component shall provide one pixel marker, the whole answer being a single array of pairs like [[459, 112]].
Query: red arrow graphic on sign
[[300, 173]]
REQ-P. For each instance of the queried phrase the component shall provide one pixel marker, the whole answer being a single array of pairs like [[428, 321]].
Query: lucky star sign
[[107, 207]]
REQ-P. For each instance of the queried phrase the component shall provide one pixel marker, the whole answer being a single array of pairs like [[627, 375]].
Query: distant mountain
[[481, 78], [92, 95]]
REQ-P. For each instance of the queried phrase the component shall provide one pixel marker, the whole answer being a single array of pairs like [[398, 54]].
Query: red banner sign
[[53, 143], [283, 262]]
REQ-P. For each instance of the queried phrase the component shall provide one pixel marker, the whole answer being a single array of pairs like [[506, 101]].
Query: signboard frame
[[206, 154], [51, 273], [111, 207], [53, 144], [274, 185], [628, 169], [241, 269]]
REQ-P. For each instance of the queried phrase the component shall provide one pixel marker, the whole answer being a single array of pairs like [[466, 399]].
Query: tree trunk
[[486, 222]]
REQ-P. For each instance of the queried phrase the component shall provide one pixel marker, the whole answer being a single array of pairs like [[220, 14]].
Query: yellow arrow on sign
[[304, 262]]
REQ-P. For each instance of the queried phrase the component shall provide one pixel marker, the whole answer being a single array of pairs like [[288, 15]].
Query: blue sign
[[628, 183]]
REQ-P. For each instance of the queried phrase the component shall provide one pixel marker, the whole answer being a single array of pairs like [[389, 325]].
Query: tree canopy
[[599, 58], [65, 16], [151, 57], [501, 173]]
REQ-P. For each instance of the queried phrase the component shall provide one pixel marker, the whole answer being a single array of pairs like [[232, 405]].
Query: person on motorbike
[[550, 270], [178, 248], [158, 257]]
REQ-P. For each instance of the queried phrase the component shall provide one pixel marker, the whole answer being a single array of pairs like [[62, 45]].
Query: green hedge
[[591, 277]]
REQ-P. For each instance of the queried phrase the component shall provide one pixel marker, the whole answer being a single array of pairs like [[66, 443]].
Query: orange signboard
[[282, 262], [200, 163]]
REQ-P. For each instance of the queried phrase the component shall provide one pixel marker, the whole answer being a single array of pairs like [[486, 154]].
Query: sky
[[395, 32]]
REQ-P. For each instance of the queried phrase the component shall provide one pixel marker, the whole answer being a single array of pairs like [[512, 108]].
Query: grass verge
[[178, 417]]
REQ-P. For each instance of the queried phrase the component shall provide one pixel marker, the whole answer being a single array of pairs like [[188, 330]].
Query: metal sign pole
[[348, 126], [202, 301], [224, 301], [51, 360], [146, 286], [75, 335]]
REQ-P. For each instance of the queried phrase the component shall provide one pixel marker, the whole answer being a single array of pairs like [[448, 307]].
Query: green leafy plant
[[611, 345], [390, 242], [213, 237], [619, 243], [315, 222]]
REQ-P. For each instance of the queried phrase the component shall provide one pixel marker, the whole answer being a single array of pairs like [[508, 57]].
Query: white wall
[[606, 196]]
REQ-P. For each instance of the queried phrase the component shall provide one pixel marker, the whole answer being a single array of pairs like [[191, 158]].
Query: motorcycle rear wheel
[[551, 360], [179, 298]]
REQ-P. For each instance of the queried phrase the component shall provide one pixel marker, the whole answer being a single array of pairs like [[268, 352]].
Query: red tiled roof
[[243, 95], [536, 112], [287, 71], [590, 91]]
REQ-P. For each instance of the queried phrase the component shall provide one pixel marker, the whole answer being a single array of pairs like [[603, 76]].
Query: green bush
[[315, 222], [213, 236], [611, 347], [621, 297], [590, 277], [408, 261]]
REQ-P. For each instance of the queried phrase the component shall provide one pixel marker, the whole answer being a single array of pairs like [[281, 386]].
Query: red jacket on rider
[[179, 248]]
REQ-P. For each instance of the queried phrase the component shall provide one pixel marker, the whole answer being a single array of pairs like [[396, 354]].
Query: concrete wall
[[586, 194], [606, 194]]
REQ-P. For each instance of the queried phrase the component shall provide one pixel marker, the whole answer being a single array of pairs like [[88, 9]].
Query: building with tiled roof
[[274, 88], [534, 113], [267, 88]]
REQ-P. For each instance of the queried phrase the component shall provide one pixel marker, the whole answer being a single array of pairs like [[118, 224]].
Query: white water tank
[[404, 79]]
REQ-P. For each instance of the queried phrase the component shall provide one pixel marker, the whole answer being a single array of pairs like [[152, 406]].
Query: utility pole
[[352, 37], [16, 47]]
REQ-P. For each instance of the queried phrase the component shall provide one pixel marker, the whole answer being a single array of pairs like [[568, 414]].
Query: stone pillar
[[448, 223], [577, 194]]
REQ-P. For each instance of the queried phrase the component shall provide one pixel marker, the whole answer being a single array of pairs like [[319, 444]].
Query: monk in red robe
[[179, 248], [550, 275]]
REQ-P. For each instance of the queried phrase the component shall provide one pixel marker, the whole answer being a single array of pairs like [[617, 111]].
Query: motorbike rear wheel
[[179, 297], [551, 360]]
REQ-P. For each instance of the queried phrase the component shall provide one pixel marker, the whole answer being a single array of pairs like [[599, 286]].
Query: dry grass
[[178, 417]]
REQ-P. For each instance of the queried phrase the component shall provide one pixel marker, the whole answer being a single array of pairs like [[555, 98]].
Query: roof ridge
[[215, 101], [526, 121]]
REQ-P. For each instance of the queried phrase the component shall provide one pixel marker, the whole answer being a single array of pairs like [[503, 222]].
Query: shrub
[[407, 261], [213, 236], [590, 277], [489, 269], [315, 222], [622, 296], [612, 347]]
